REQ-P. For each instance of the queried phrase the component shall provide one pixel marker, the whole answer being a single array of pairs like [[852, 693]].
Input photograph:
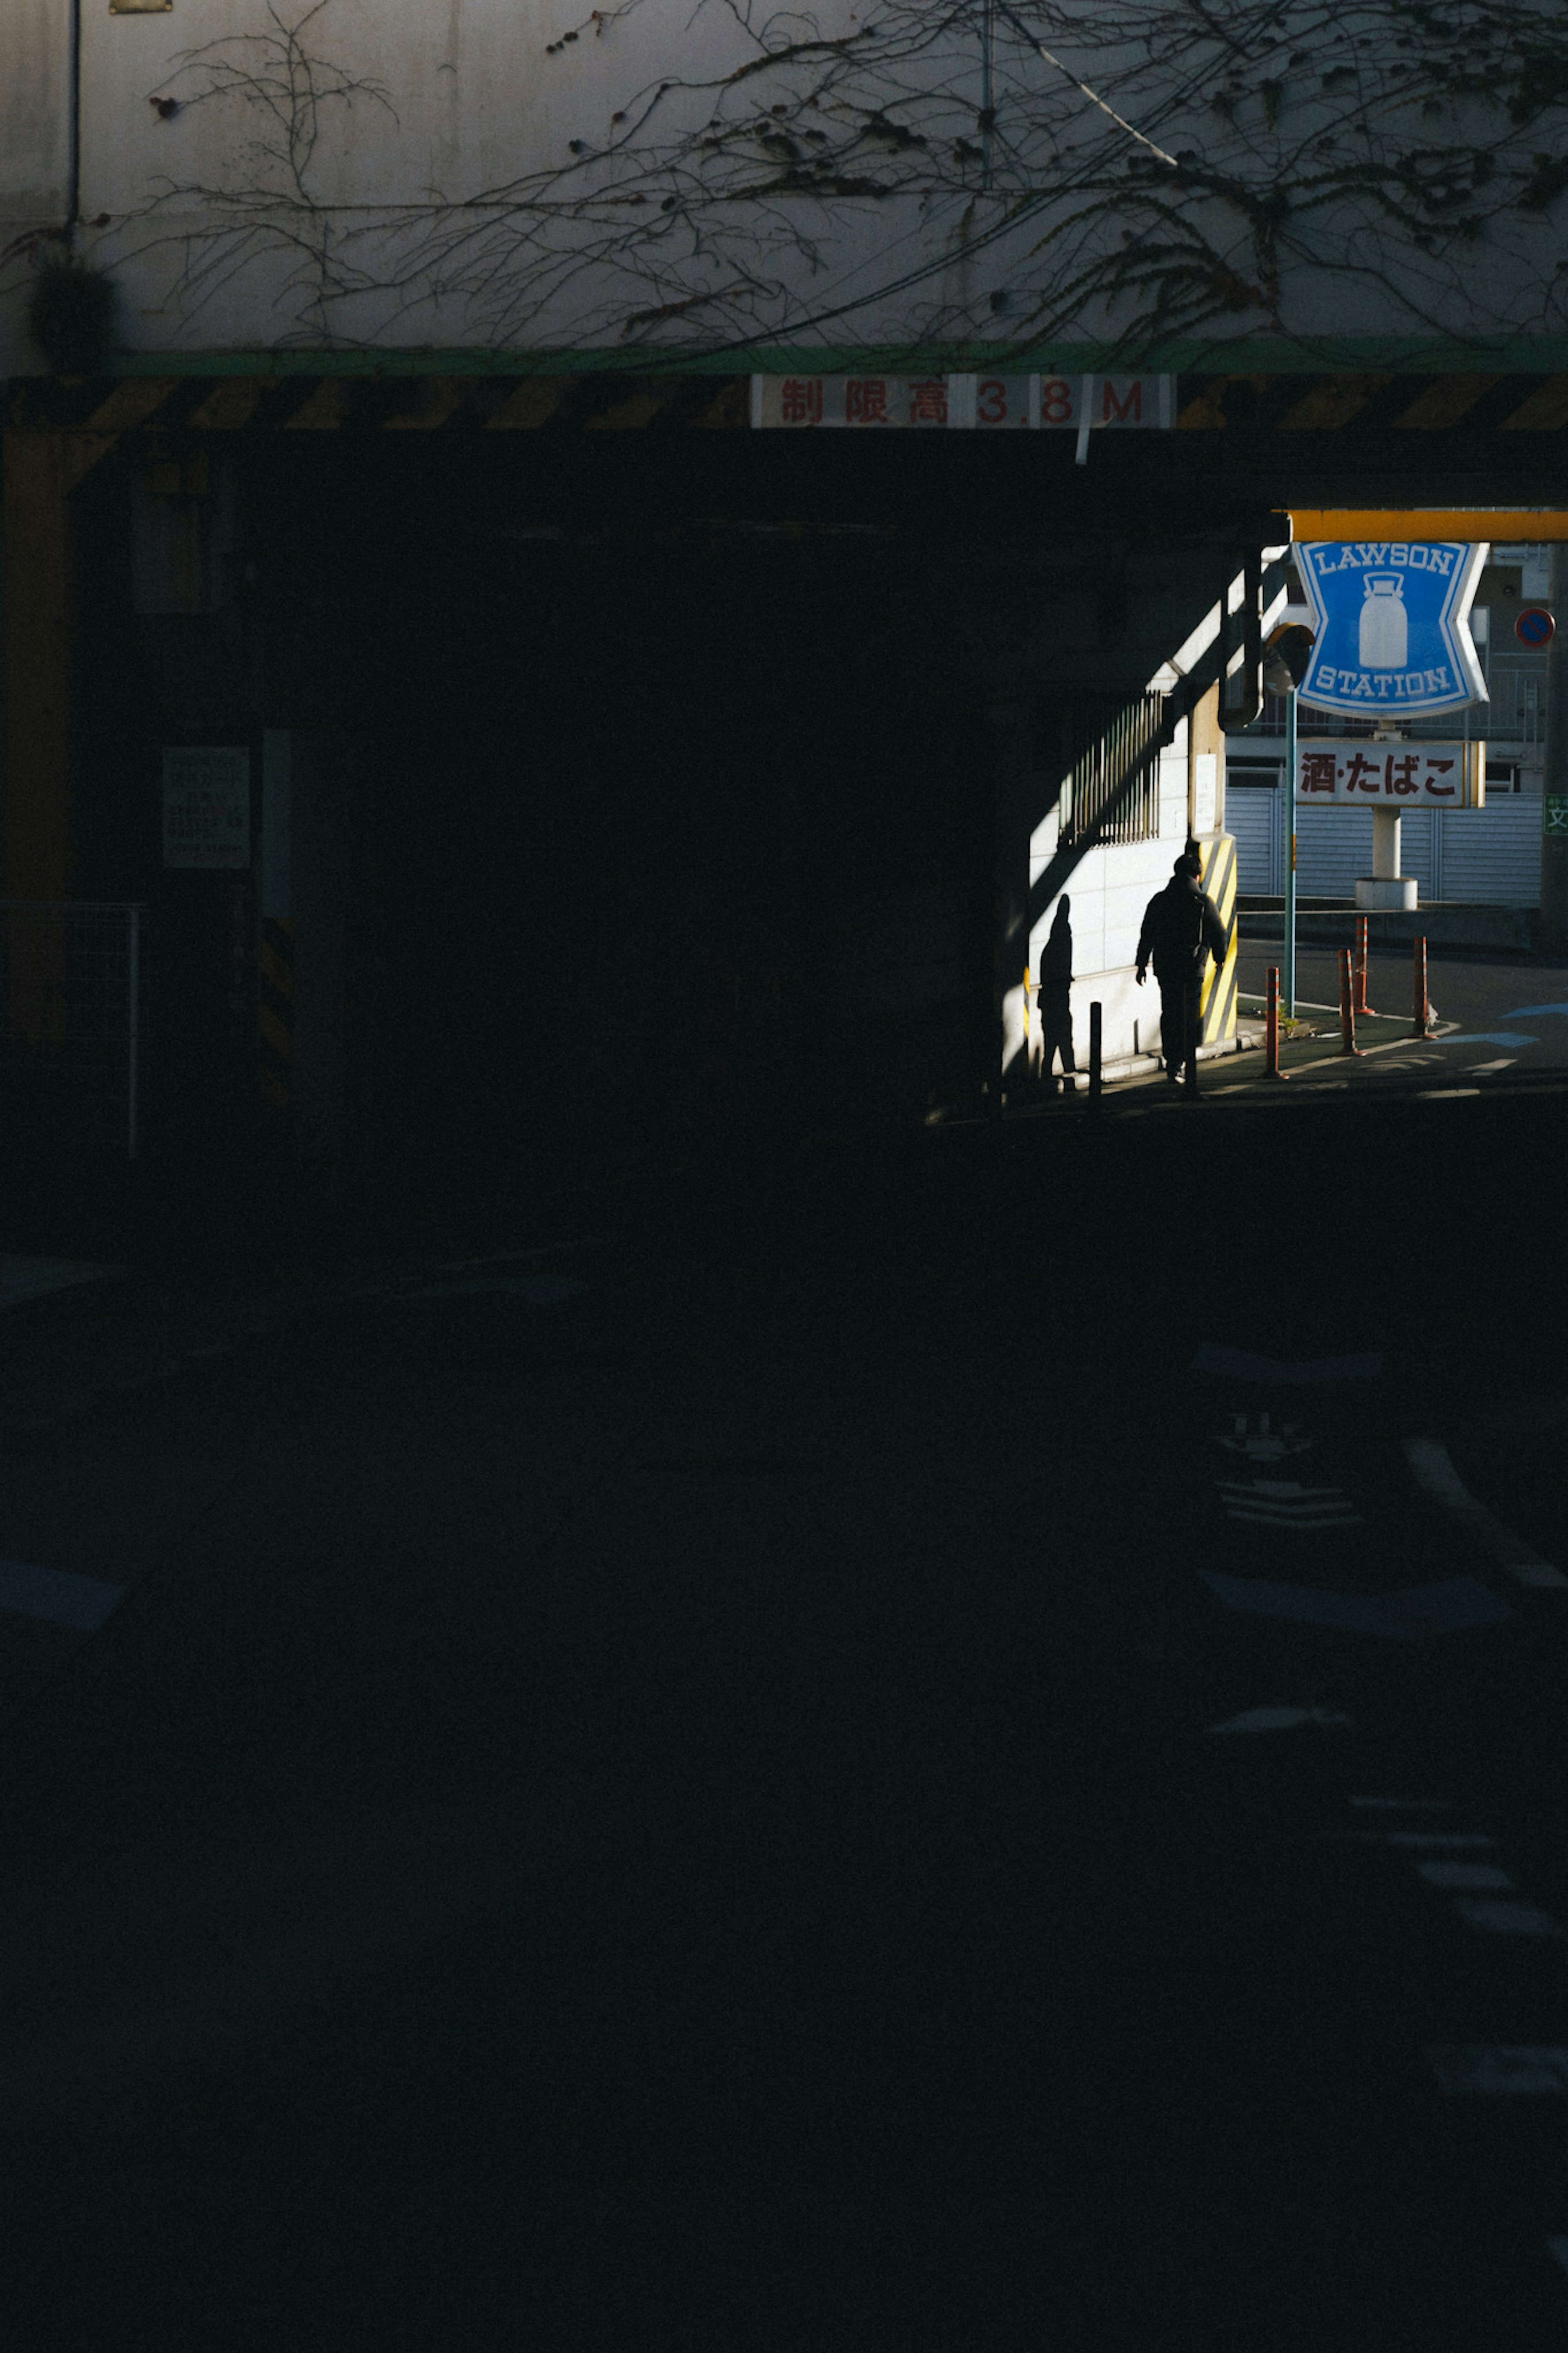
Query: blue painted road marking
[[55, 1594], [30, 1278], [1502, 2067], [1424, 1609], [1489, 1037], [1532, 1012]]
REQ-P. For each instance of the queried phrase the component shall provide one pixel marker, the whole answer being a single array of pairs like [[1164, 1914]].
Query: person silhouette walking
[[1054, 999], [1182, 929]]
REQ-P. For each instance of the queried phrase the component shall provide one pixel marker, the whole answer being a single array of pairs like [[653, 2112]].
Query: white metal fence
[[72, 989], [1113, 792]]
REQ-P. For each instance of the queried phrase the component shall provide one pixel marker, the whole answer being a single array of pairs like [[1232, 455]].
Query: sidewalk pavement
[[1231, 1064]]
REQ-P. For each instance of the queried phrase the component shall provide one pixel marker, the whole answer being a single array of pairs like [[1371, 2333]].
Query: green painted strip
[[1184, 356]]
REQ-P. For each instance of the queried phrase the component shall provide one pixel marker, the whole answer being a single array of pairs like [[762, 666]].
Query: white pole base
[[1384, 893]]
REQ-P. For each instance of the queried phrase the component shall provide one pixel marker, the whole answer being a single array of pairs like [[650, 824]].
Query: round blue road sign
[[1535, 626]]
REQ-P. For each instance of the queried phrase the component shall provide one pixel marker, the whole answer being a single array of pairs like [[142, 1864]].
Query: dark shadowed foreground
[[907, 1751]]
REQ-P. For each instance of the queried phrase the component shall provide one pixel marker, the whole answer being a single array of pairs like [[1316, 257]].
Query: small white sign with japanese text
[[972, 403], [1334, 773], [206, 806]]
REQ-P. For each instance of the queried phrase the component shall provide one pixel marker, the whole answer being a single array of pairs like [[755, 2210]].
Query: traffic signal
[[1286, 656]]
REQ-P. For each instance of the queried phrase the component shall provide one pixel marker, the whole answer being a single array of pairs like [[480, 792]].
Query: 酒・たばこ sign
[[1362, 773]]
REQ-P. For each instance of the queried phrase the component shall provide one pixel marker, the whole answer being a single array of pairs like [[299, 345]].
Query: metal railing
[[1514, 714], [72, 982], [1113, 792]]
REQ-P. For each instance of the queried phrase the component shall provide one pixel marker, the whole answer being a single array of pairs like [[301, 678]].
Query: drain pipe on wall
[[73, 131], [1555, 797]]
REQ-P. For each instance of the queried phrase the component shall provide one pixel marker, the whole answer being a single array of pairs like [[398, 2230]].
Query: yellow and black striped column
[[1216, 1004], [276, 946], [277, 983]]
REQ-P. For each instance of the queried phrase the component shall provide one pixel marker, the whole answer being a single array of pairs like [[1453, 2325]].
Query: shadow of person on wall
[[1054, 998]]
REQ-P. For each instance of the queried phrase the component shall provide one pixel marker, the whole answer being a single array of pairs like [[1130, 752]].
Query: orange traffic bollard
[[1422, 1016], [1271, 1027], [1361, 956]]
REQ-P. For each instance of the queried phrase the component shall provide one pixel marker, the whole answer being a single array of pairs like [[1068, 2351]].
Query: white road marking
[[1507, 1919], [1466, 1876], [1285, 1493], [1500, 2067], [1324, 1518], [1265, 1445], [1277, 1719], [1507, 1063], [1284, 1503], [1436, 1838], [1410, 1838], [1282, 1492], [1408, 1805], [1441, 1095], [1428, 1459]]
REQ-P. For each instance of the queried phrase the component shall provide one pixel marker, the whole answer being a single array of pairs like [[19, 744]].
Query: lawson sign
[[1391, 625]]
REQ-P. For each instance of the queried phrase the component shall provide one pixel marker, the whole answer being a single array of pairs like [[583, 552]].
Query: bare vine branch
[[781, 182]]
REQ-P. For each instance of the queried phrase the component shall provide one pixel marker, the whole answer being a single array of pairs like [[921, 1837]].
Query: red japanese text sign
[[1334, 773], [976, 403]]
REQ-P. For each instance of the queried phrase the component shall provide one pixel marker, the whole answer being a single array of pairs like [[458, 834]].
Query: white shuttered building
[[1486, 857]]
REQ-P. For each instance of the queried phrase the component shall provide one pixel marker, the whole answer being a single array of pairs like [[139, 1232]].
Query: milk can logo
[[1391, 620], [1384, 636]]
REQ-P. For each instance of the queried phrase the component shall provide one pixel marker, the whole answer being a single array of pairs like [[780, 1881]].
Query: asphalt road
[[922, 1749], [1506, 1017]]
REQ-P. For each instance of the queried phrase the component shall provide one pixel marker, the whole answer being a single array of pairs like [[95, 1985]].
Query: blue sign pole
[[1289, 974]]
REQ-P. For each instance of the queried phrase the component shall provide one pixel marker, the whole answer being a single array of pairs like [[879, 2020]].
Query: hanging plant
[[70, 317]]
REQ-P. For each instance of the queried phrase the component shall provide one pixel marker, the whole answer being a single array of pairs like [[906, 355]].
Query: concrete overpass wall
[[34, 152], [363, 175]]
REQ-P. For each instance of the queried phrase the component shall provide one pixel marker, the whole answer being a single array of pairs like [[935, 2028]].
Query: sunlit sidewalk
[[1312, 1050]]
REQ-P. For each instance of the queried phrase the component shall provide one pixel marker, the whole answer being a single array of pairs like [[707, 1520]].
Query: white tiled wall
[[1110, 888]]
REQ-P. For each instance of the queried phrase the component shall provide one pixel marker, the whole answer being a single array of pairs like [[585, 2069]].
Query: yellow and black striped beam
[[1216, 1002], [249, 404], [1447, 410], [277, 1011], [1439, 407]]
